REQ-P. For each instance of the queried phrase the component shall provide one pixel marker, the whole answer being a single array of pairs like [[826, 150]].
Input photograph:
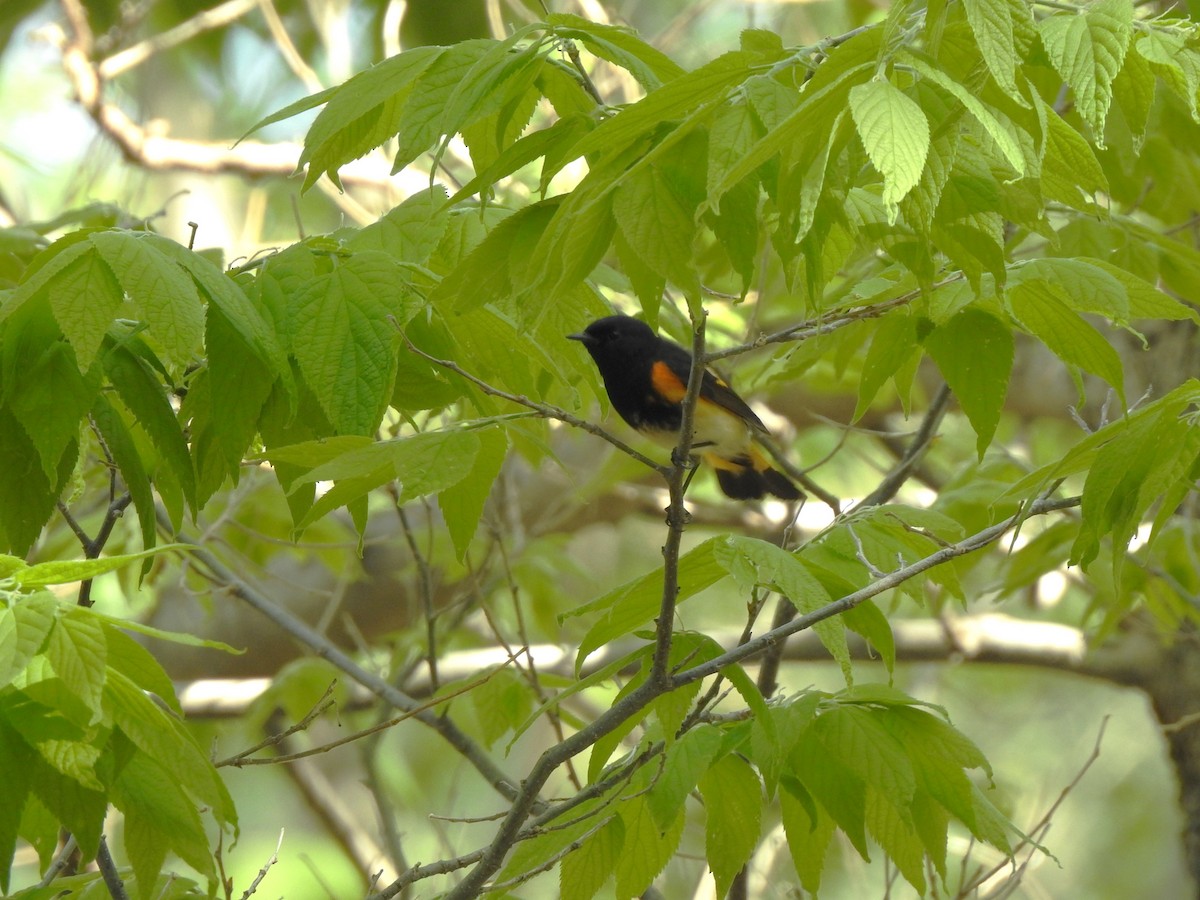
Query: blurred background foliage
[[1116, 834]]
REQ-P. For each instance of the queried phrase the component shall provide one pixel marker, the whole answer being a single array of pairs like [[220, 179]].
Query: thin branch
[[262, 873], [108, 870], [425, 581], [920, 444], [677, 514], [241, 760], [219, 573], [207, 20], [61, 861], [828, 323], [545, 410], [323, 703]]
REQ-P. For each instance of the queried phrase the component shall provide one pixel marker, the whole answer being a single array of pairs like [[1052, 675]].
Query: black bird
[[646, 378]]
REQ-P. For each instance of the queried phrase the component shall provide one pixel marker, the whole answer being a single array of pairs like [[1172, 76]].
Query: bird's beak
[[585, 339]]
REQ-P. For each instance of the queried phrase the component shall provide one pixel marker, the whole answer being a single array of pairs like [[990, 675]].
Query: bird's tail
[[751, 477]]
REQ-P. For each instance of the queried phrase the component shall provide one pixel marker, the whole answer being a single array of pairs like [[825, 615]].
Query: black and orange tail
[[751, 477]]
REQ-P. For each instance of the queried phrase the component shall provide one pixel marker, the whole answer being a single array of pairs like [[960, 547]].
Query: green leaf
[[43, 269], [647, 848], [1088, 50], [809, 830], [351, 119], [77, 651], [733, 817], [138, 664], [68, 571], [974, 352], [24, 626], [1072, 339], [125, 454], [76, 807], [637, 602], [1005, 142], [410, 231], [1175, 62], [657, 226], [166, 741], [85, 297], [344, 341], [15, 756], [423, 114], [226, 295], [50, 402], [493, 269], [27, 498], [586, 870], [620, 46], [1070, 171], [144, 394], [163, 818], [686, 762], [893, 345], [462, 503], [702, 87], [991, 22], [895, 133], [755, 562], [304, 104], [163, 294]]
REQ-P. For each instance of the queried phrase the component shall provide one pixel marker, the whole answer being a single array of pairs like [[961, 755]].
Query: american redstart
[[646, 378]]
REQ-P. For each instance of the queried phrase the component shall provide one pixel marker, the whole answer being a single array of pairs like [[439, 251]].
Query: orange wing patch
[[666, 383]]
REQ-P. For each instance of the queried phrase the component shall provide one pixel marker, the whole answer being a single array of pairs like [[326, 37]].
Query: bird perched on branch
[[646, 378]]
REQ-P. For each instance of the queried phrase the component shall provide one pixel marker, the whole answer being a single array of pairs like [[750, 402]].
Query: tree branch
[[323, 647]]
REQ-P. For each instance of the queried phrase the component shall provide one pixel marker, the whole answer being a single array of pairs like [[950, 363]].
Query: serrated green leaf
[[85, 298], [43, 269], [1088, 50], [647, 848], [50, 402], [493, 269], [686, 761], [637, 602], [778, 570], [166, 741], [893, 343], [657, 226], [67, 571], [704, 86], [425, 106], [1037, 305], [120, 444], [163, 819], [1003, 138], [991, 22], [620, 46], [895, 133], [1133, 91], [462, 503], [77, 651], [343, 130], [1070, 171], [144, 394], [24, 627], [733, 817], [1172, 60], [586, 870], [974, 352], [76, 807], [809, 830], [345, 342], [164, 295]]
